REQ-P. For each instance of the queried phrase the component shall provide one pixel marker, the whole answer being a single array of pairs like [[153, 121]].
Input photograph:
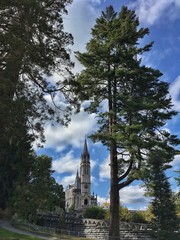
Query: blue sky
[[65, 145]]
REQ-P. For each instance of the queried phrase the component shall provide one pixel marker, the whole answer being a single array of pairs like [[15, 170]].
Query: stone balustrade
[[98, 229]]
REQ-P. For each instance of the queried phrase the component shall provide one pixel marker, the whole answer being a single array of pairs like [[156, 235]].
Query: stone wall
[[98, 229]]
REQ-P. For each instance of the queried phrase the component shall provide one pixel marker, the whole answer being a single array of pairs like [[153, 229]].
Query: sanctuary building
[[78, 196]]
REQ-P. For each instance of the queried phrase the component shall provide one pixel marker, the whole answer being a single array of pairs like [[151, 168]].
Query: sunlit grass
[[7, 235]]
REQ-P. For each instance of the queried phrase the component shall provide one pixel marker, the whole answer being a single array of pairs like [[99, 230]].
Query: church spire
[[77, 173], [77, 181], [85, 154]]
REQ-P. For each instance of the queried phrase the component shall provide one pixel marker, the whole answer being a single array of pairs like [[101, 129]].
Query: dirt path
[[7, 225]]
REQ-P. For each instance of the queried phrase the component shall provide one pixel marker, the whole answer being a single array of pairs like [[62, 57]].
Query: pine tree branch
[[42, 88], [127, 172], [126, 183]]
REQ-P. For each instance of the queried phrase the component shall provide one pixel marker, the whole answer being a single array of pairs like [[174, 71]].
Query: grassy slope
[[5, 234]]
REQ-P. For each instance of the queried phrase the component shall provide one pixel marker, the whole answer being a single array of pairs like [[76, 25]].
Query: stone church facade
[[79, 195]]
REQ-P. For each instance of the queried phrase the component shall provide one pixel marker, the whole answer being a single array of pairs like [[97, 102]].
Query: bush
[[125, 214], [138, 217], [94, 212], [133, 216]]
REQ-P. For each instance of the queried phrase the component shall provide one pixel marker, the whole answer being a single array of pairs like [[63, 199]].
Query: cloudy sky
[[65, 145]]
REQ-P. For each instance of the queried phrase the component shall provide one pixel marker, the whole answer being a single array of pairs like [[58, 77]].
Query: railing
[[97, 222], [45, 230], [90, 226]]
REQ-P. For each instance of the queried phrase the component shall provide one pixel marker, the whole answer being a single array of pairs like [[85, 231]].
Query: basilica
[[78, 196]]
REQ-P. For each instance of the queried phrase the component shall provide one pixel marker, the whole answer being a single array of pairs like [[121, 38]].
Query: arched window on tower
[[85, 202]]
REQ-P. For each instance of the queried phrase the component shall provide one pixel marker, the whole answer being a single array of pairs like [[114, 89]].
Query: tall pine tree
[[33, 46], [158, 188], [130, 101]]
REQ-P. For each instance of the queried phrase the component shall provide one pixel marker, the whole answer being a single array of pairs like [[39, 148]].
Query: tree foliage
[[176, 199], [33, 46], [15, 149], [38, 191], [136, 216], [94, 212], [131, 102], [178, 178], [158, 188]]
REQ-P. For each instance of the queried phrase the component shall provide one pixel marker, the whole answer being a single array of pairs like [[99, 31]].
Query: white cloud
[[133, 195], [155, 57], [102, 200], [69, 164], [176, 162], [93, 180], [150, 11], [65, 181], [174, 91], [81, 17], [93, 164], [66, 163], [59, 137], [104, 169], [80, 20]]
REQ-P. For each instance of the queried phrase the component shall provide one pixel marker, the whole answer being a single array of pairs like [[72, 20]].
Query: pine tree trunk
[[114, 190], [114, 195]]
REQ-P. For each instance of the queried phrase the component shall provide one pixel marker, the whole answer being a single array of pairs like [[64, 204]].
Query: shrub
[[94, 212], [125, 214], [138, 217]]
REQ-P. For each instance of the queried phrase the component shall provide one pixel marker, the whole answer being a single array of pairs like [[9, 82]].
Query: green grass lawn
[[7, 235]]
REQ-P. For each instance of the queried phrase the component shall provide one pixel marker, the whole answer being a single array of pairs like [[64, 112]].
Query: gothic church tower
[[85, 175], [79, 195]]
